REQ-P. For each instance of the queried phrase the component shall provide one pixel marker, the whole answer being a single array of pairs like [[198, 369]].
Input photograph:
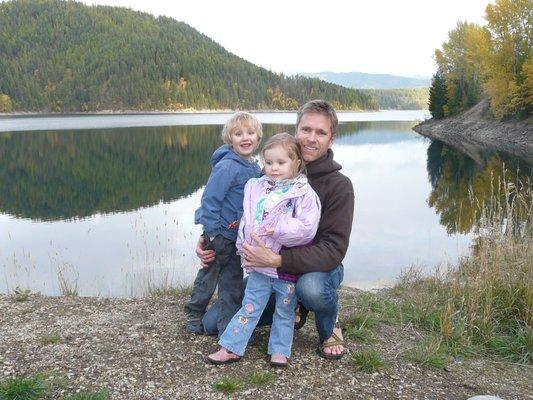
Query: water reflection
[[462, 188], [51, 175], [115, 207], [74, 174]]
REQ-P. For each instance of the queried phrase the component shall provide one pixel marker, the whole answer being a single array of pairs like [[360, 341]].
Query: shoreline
[[163, 112], [475, 131]]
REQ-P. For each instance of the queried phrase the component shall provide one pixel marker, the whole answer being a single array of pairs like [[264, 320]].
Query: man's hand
[[259, 255], [205, 256], [268, 232]]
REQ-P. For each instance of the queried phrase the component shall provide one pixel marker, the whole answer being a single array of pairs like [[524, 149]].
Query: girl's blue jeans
[[316, 290], [256, 296]]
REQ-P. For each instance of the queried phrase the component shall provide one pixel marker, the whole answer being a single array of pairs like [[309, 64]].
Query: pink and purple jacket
[[293, 216]]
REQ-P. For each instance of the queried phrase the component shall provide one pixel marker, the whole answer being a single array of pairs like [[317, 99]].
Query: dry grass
[[487, 300]]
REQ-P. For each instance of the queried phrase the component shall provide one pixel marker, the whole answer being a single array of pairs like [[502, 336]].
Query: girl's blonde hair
[[290, 145], [238, 120]]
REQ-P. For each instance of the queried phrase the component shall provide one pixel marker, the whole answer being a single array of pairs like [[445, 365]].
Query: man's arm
[[331, 242]]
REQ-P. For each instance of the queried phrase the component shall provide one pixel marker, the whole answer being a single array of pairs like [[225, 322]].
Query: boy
[[220, 212]]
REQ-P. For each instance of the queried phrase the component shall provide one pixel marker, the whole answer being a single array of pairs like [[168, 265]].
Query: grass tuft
[[20, 295], [50, 338], [100, 395], [20, 388], [260, 378], [358, 327], [229, 385], [429, 352], [165, 290], [368, 361], [67, 277]]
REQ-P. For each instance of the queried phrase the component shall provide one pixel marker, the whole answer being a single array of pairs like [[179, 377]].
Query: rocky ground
[[475, 131], [138, 349]]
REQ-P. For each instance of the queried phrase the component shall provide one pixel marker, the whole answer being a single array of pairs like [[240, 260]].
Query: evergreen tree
[[437, 96]]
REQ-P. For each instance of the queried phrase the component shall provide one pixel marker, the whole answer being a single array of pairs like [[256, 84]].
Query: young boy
[[220, 212]]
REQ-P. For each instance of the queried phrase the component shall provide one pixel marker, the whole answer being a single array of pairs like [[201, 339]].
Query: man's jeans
[[256, 296], [317, 291], [225, 271]]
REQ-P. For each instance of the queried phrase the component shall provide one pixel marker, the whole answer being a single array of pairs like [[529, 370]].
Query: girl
[[282, 208]]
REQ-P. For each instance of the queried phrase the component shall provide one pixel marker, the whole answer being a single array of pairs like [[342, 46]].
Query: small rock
[[484, 397]]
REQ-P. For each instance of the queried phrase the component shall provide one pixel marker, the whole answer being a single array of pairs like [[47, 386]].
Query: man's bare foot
[[332, 348], [223, 356], [337, 349]]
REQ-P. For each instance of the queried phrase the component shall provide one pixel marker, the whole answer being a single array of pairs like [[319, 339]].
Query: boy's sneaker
[[195, 327]]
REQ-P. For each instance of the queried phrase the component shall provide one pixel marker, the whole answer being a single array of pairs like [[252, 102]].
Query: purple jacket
[[294, 218]]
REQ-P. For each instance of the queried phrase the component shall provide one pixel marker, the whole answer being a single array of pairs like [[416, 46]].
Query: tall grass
[[67, 277], [487, 300]]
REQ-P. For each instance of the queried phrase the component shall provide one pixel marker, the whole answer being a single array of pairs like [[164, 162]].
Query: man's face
[[314, 136]]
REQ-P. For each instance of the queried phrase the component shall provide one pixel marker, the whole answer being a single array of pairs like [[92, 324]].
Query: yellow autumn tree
[[508, 68], [5, 103], [461, 62]]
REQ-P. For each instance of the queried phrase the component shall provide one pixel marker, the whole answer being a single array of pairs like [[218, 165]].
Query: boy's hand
[[205, 256]]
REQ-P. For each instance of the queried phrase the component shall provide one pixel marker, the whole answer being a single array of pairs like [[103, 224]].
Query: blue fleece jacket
[[221, 208]]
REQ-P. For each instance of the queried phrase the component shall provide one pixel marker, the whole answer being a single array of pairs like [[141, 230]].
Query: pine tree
[[437, 96]]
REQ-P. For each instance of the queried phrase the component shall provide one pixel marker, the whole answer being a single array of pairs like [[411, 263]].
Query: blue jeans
[[226, 272], [256, 296], [317, 291]]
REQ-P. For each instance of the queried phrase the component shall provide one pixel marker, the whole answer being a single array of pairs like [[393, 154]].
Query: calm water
[[110, 210]]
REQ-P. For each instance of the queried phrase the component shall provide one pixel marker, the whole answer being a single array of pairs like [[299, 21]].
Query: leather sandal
[[301, 316], [334, 340]]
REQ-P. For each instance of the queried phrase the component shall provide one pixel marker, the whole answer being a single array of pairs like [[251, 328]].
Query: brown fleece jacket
[[331, 240]]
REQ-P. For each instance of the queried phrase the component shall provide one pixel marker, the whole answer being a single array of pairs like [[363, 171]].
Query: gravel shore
[[476, 131], [138, 349]]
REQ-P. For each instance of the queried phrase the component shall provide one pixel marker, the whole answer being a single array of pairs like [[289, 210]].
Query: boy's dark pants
[[227, 272]]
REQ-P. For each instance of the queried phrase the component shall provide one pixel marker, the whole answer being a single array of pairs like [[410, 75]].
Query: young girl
[[282, 208]]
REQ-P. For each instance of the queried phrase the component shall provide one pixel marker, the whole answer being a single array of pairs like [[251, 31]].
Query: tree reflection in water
[[462, 189]]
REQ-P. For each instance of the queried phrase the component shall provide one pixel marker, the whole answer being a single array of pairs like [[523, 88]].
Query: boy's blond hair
[[239, 119]]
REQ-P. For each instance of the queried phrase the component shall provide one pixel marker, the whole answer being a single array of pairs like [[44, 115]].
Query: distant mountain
[[64, 56], [360, 80]]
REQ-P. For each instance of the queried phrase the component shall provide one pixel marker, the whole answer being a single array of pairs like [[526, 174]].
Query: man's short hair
[[319, 107]]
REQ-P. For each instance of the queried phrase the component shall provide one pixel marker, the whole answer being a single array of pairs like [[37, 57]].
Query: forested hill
[[65, 56]]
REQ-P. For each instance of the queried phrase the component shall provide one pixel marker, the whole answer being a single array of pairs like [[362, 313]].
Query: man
[[320, 262]]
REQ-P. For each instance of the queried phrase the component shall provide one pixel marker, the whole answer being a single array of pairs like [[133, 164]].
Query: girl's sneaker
[[278, 360], [222, 357]]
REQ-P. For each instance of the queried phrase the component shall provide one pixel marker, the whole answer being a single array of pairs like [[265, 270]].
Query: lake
[[103, 205]]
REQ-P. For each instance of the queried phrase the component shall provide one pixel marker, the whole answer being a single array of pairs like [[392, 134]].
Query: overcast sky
[[375, 36]]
